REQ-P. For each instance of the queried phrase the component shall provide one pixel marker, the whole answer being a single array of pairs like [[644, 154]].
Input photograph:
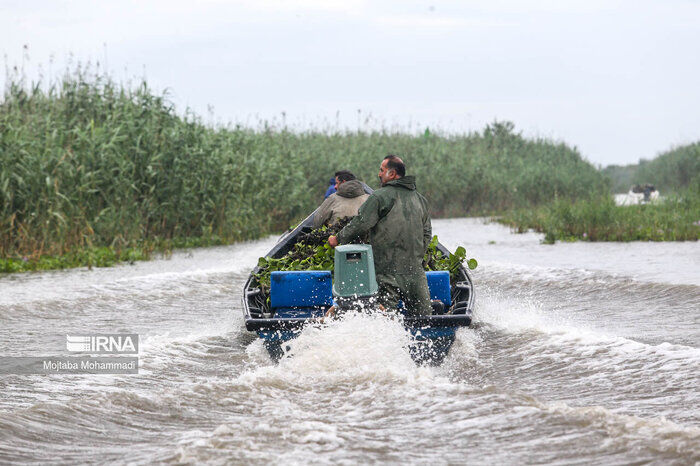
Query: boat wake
[[359, 347], [562, 365]]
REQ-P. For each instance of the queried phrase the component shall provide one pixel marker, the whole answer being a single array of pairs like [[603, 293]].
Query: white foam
[[521, 317], [359, 347]]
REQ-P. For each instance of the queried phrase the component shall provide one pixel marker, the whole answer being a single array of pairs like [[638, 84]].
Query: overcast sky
[[618, 79]]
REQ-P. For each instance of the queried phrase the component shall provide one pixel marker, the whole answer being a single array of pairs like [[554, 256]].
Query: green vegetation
[[671, 172], [676, 219], [621, 177], [94, 256], [676, 174], [86, 163], [311, 252], [434, 259], [103, 256]]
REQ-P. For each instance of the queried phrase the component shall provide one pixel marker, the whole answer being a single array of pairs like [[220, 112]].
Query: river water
[[580, 353]]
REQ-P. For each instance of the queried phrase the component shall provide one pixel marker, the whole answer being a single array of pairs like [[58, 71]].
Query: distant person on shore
[[349, 196], [331, 188], [397, 219]]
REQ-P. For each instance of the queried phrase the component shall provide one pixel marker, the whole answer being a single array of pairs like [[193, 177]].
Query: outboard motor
[[355, 283]]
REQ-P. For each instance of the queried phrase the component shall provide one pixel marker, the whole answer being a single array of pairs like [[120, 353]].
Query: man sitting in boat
[[397, 219], [345, 202]]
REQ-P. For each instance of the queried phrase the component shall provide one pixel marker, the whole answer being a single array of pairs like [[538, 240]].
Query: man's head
[[392, 168], [342, 176]]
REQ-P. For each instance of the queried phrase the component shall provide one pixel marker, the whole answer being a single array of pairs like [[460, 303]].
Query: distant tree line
[[671, 172]]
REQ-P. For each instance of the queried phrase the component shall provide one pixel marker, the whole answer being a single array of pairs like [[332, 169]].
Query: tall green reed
[[86, 162]]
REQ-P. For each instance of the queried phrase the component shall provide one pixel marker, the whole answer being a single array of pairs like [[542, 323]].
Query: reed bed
[[87, 163], [673, 219]]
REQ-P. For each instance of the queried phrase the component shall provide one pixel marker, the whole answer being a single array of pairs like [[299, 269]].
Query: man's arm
[[427, 227], [366, 218], [323, 213], [427, 234]]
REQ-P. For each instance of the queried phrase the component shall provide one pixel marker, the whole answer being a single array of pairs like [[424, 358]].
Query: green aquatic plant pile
[[672, 219], [86, 162], [435, 260], [312, 252]]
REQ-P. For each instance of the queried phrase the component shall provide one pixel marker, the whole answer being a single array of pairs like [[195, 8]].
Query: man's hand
[[333, 241]]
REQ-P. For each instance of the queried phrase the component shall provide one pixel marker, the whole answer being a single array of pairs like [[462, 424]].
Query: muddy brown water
[[581, 353]]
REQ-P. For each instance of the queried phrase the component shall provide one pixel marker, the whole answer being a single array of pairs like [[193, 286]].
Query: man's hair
[[344, 175], [395, 163]]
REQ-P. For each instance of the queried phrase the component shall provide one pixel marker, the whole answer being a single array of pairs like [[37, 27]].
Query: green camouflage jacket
[[397, 219]]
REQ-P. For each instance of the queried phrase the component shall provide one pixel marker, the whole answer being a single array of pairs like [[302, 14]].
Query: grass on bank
[[675, 219], [104, 256]]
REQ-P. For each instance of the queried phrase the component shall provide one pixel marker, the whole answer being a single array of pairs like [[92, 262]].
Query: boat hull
[[432, 335]]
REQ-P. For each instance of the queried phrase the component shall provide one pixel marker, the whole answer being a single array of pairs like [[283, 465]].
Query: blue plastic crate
[[439, 286], [300, 289]]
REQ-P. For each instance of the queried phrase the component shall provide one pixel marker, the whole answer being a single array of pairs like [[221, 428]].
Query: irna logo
[[103, 343]]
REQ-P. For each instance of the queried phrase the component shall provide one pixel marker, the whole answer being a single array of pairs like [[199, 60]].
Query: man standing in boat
[[397, 219], [349, 196]]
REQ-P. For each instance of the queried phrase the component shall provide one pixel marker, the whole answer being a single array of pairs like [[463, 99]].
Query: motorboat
[[300, 298]]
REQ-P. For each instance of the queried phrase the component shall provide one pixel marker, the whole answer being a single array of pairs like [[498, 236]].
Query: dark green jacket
[[397, 219]]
